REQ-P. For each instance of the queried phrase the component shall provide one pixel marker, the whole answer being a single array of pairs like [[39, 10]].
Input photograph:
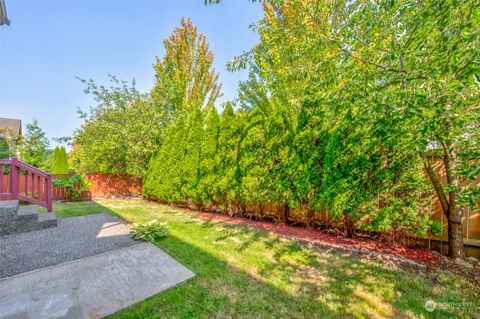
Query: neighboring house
[[10, 135], [3, 13]]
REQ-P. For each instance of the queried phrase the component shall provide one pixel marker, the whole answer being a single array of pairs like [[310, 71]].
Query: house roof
[[10, 125], [3, 13]]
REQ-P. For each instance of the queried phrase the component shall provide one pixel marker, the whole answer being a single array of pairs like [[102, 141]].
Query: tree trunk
[[456, 249], [310, 215], [348, 224], [243, 209], [455, 239], [285, 214], [449, 207]]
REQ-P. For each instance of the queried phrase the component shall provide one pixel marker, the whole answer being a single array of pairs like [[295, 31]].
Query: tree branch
[[436, 184]]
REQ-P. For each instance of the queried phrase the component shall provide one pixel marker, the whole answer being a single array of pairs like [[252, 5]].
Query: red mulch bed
[[321, 237]]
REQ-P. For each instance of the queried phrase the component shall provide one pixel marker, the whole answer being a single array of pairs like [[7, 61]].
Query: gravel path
[[73, 238]]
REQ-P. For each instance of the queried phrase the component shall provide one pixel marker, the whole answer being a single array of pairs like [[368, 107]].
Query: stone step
[[8, 209], [27, 213], [26, 219], [47, 220]]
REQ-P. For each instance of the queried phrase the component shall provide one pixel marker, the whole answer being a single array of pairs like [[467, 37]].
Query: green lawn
[[245, 273]]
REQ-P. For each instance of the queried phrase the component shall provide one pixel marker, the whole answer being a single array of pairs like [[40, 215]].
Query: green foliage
[[124, 130], [5, 151], [74, 186], [8, 142], [34, 148], [119, 134], [208, 167], [227, 176], [185, 77], [344, 107], [341, 111], [60, 161], [150, 231]]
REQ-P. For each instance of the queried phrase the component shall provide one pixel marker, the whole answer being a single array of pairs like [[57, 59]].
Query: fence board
[[104, 185]]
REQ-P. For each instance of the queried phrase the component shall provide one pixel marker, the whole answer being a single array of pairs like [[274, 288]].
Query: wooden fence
[[108, 185], [274, 212], [104, 185], [101, 185]]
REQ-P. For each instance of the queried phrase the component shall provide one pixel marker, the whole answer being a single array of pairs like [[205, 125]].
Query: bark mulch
[[316, 236]]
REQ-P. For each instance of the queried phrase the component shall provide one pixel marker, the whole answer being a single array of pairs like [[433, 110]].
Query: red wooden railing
[[25, 183]]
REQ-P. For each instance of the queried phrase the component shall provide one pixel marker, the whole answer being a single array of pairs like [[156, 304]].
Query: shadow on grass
[[247, 233], [242, 272], [334, 288], [71, 209]]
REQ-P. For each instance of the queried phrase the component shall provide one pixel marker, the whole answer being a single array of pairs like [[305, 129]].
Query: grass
[[242, 272]]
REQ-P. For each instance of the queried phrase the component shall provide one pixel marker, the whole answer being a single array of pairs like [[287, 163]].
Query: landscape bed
[[244, 272]]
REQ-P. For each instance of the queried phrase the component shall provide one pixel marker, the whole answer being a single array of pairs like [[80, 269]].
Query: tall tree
[[433, 98], [368, 61], [34, 148], [185, 77], [186, 89], [125, 128]]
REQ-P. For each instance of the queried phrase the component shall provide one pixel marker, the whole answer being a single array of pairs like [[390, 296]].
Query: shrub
[[74, 186], [150, 231]]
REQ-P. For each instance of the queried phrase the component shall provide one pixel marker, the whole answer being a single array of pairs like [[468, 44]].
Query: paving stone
[[91, 287]]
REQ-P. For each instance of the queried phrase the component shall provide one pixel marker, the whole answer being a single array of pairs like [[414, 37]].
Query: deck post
[[14, 180], [48, 194]]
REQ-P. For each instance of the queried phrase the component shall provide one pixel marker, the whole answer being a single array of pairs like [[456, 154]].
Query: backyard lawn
[[242, 272]]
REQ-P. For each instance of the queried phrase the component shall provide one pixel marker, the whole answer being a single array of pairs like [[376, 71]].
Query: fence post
[[48, 194], [14, 178]]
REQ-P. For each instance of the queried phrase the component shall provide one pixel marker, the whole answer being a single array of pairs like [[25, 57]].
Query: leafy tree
[[433, 97], [186, 88], [34, 148], [5, 151], [119, 134], [125, 128], [368, 61], [185, 77]]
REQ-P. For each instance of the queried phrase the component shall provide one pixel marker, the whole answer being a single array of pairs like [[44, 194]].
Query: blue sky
[[50, 42]]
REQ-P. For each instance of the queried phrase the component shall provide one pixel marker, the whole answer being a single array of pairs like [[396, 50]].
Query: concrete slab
[[91, 287], [73, 238]]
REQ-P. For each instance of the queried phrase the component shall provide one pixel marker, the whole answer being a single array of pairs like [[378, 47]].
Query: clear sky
[[50, 42]]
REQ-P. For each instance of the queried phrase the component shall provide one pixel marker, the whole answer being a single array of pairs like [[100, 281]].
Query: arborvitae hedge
[[60, 161]]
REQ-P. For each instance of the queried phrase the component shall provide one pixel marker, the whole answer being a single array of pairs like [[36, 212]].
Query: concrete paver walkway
[[91, 287]]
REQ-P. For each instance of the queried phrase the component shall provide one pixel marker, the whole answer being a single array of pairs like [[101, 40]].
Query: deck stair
[[16, 218]]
